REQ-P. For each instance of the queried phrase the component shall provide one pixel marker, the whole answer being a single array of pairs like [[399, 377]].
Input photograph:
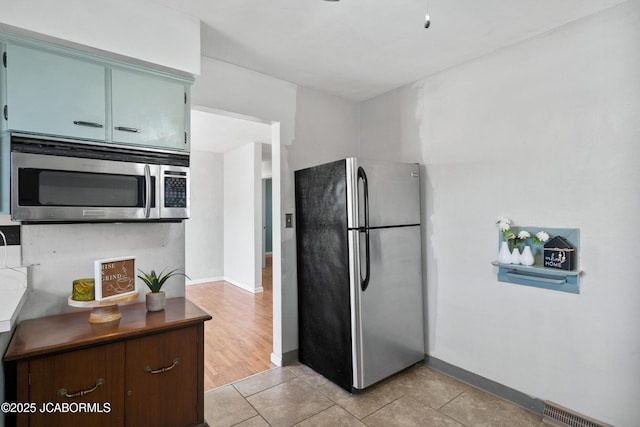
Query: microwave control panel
[[175, 190]]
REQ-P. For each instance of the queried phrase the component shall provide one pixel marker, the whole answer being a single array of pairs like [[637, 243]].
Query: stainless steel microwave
[[60, 181]]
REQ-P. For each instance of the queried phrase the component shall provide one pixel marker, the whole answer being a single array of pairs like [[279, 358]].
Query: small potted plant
[[156, 299]]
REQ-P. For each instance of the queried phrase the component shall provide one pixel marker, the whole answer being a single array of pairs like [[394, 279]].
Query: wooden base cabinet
[[146, 369], [55, 380], [165, 379]]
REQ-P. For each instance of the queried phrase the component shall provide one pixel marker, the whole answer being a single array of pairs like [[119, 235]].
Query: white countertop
[[13, 293], [13, 281]]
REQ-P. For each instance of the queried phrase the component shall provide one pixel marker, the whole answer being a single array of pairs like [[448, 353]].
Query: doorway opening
[[235, 204]]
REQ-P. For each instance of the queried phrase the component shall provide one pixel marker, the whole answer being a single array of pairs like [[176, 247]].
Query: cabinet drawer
[[65, 384], [163, 368]]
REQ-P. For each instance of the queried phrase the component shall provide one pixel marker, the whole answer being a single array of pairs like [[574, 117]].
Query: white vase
[[504, 256], [515, 256], [526, 258]]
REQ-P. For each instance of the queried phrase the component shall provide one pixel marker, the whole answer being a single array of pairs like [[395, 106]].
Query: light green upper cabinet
[[149, 110], [53, 90], [54, 94]]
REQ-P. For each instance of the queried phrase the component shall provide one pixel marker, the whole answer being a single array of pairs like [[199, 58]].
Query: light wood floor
[[238, 340]]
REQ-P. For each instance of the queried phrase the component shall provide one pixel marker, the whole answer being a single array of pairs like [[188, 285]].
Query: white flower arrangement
[[541, 237], [502, 221], [504, 224]]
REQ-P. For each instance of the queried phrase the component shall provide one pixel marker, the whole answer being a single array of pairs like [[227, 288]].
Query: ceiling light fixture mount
[[427, 19]]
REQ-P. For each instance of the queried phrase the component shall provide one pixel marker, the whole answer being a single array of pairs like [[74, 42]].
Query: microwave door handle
[[147, 191]]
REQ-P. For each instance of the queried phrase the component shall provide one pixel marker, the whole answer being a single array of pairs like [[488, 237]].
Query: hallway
[[238, 340]]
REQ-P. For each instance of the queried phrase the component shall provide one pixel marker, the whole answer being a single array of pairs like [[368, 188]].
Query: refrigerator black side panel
[[324, 315]]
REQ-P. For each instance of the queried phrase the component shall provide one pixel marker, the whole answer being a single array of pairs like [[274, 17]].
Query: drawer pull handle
[[127, 129], [175, 363], [63, 391], [88, 124]]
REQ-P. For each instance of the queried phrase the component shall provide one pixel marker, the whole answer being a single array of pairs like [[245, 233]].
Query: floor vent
[[557, 415]]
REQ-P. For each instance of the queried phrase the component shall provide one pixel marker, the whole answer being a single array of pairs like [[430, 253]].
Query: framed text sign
[[115, 277]]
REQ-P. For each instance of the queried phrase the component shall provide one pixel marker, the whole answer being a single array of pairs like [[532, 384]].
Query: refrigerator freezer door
[[388, 320], [393, 189]]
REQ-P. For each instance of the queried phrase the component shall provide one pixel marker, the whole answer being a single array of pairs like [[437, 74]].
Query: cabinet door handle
[[88, 124], [175, 363], [63, 391], [127, 129]]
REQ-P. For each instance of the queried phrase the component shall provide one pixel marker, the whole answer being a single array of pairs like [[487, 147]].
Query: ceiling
[[358, 49]]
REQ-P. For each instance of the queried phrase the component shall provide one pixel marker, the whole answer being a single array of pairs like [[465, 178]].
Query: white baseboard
[[244, 286], [226, 279], [288, 358], [204, 280], [276, 360]]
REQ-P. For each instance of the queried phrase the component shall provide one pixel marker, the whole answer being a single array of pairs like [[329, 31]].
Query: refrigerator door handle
[[364, 282]]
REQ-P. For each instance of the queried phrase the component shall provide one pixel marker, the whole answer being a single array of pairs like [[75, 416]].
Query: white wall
[[545, 133], [243, 217], [326, 129], [234, 89], [390, 125], [58, 254], [140, 29], [204, 230], [267, 165]]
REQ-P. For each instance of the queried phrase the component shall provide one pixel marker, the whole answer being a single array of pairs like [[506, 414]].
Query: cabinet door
[[54, 94], [148, 110], [162, 379], [65, 383]]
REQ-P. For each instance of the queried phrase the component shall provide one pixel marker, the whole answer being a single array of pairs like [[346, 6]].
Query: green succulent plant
[[155, 282]]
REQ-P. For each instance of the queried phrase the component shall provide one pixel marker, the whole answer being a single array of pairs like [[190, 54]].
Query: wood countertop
[[62, 332]]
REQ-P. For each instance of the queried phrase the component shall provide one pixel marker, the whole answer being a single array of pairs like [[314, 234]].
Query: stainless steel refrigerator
[[360, 306]]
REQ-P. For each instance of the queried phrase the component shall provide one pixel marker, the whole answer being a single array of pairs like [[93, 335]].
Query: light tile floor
[[419, 396]]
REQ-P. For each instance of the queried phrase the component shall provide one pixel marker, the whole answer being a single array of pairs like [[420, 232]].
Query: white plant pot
[[156, 301]]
